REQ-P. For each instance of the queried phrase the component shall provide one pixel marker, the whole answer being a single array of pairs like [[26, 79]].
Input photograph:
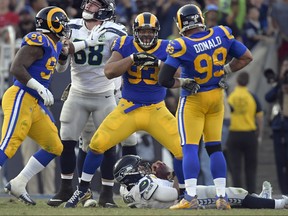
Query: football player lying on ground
[[145, 186]]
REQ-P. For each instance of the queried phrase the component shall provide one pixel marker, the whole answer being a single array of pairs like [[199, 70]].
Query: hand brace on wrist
[[80, 45], [227, 69], [34, 84]]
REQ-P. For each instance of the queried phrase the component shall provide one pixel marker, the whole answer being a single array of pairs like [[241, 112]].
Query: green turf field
[[11, 206]]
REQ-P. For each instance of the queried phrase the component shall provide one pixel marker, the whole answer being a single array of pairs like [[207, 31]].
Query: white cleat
[[286, 201], [266, 190], [90, 203], [17, 189]]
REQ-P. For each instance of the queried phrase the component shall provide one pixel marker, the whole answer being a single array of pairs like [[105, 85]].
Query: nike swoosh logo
[[158, 108], [55, 200], [108, 96]]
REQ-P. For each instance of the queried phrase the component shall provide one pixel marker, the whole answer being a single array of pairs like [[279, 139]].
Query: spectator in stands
[[211, 13], [279, 14], [7, 17], [26, 22], [253, 32], [245, 133], [229, 19], [37, 5], [278, 95]]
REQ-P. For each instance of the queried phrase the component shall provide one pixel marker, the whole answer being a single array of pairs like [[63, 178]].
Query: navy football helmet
[[189, 17], [106, 11], [148, 21], [126, 170], [53, 20]]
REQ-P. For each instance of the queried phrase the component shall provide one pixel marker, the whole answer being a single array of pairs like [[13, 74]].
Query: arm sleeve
[[166, 76]]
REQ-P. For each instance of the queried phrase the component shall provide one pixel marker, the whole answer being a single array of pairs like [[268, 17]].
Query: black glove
[[189, 85], [63, 57], [145, 59]]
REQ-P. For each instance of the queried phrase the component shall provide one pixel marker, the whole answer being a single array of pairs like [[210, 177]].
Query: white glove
[[92, 40], [42, 91]]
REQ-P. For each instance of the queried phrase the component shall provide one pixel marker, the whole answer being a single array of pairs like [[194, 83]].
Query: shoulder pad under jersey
[[35, 39], [226, 30], [147, 187], [176, 47]]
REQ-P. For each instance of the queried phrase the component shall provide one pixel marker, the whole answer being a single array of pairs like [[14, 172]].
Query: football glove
[[145, 59], [223, 82], [42, 91], [189, 85], [65, 93], [94, 39], [63, 56]]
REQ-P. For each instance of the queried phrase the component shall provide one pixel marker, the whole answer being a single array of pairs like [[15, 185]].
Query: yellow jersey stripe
[[182, 51], [226, 32]]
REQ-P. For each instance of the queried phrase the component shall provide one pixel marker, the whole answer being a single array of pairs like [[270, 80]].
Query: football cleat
[[18, 190], [286, 201], [89, 203], [62, 196], [222, 203], [107, 202], [187, 202], [266, 190], [77, 197], [106, 197]]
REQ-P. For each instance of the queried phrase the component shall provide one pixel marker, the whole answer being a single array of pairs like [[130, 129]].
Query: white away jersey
[[87, 66]]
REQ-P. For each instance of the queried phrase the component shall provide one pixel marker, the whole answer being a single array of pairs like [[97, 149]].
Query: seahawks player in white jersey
[[91, 92], [140, 188]]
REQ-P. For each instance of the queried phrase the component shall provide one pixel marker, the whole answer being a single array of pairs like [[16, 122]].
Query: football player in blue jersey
[[201, 54], [25, 102], [142, 106], [91, 94]]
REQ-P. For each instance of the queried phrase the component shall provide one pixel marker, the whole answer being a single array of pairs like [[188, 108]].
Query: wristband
[[227, 69], [181, 80], [132, 58], [34, 84], [79, 45]]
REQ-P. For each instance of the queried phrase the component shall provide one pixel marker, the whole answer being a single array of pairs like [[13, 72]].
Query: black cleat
[[62, 196], [111, 204], [106, 197]]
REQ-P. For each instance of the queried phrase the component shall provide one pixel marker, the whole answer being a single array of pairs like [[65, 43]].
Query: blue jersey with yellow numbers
[[42, 69], [203, 55], [141, 86]]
